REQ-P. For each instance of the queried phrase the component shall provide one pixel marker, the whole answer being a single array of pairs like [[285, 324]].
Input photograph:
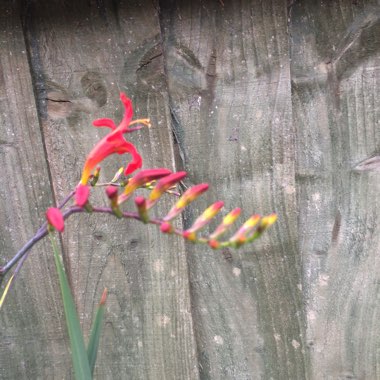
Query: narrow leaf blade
[[96, 329], [78, 351]]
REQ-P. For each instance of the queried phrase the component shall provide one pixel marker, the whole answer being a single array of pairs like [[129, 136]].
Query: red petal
[[136, 160], [104, 123], [128, 113]]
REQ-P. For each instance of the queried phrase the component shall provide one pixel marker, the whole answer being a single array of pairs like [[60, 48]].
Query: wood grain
[[335, 82], [33, 340], [82, 55], [229, 80], [275, 104]]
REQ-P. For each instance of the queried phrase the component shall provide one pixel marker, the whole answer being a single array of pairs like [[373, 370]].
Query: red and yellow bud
[[113, 196], [240, 237], [267, 221], [55, 218], [117, 175], [186, 198], [188, 235], [142, 209], [142, 178], [95, 177], [228, 220], [207, 216], [163, 185]]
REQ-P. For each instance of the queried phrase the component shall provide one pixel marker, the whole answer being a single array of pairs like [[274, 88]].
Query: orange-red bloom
[[114, 142]]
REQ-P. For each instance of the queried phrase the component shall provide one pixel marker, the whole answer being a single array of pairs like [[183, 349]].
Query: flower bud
[[191, 236], [55, 218], [266, 222], [206, 216], [163, 185], [142, 178], [240, 237], [141, 208], [187, 197], [95, 177], [117, 175], [166, 228], [112, 194], [82, 194], [214, 244], [228, 220]]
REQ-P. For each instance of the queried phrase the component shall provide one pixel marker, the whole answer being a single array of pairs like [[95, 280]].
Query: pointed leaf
[[96, 329], [78, 350]]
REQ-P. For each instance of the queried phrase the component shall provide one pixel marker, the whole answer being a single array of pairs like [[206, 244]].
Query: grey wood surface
[[229, 82], [33, 337], [335, 95], [275, 105]]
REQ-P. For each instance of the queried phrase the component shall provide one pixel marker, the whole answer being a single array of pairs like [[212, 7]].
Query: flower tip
[[82, 194], [267, 221], [55, 218], [140, 201], [214, 244], [166, 228], [103, 297], [189, 235], [111, 192]]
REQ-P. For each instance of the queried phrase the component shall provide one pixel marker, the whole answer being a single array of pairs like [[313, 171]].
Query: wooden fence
[[276, 105]]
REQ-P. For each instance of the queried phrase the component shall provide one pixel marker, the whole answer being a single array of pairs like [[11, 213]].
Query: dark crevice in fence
[[40, 93]]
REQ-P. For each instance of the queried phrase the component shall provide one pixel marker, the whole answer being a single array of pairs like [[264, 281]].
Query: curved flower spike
[[114, 142]]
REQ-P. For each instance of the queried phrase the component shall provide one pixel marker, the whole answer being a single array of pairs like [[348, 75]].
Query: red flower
[[55, 218], [114, 142]]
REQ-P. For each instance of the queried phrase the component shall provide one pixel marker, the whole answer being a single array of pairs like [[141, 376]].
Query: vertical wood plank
[[228, 70], [335, 82], [83, 54], [32, 333]]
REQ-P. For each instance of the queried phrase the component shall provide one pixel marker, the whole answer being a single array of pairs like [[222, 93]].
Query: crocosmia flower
[[115, 142], [55, 218]]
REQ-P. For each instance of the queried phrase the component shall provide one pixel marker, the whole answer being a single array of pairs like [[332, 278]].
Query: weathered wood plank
[[84, 54], [33, 340], [228, 69], [335, 86]]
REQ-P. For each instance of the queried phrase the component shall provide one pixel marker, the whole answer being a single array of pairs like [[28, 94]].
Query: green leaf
[[78, 351], [7, 287], [93, 343]]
